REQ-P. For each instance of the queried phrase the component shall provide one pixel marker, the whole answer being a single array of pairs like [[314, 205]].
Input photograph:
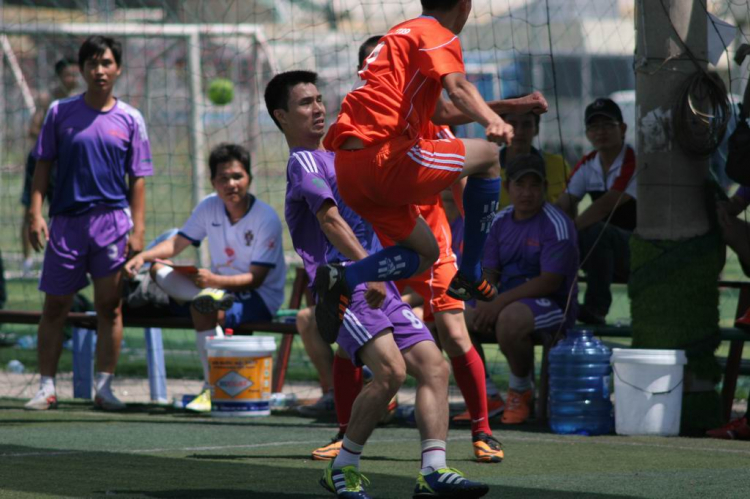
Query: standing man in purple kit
[[96, 216]]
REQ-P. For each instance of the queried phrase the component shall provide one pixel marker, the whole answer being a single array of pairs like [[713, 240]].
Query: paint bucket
[[240, 375], [648, 391]]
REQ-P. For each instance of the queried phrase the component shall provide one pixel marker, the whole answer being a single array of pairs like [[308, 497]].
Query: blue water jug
[[579, 374]]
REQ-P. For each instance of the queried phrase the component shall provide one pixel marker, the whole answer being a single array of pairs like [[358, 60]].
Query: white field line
[[382, 440]]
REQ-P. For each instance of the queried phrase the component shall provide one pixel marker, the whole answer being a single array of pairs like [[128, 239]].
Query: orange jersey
[[402, 82]]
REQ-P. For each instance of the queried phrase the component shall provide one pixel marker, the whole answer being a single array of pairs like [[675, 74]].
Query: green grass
[[154, 452]]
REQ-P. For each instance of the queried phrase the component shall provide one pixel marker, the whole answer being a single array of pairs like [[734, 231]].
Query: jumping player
[[378, 329], [447, 315], [96, 141], [386, 164]]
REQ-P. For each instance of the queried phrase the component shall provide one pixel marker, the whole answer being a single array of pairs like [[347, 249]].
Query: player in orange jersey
[[386, 164]]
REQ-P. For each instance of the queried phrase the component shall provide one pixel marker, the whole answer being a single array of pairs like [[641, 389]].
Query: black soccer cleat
[[464, 289], [333, 300]]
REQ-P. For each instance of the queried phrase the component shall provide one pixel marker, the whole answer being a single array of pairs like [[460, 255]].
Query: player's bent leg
[[426, 364], [514, 328], [481, 198], [383, 358], [176, 285], [482, 159]]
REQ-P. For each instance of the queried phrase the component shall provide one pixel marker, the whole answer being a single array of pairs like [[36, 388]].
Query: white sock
[[176, 285], [433, 456], [349, 454], [103, 381], [520, 384], [47, 384]]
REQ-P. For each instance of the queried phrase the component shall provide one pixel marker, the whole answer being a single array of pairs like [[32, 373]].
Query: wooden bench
[[84, 329]]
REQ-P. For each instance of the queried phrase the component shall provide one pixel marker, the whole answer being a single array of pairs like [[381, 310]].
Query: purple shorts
[[361, 322], [548, 316], [94, 243]]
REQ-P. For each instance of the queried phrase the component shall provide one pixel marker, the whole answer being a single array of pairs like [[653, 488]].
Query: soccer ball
[[221, 91]]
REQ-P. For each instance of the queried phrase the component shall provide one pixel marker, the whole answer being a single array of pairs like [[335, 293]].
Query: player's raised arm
[[469, 101], [447, 113]]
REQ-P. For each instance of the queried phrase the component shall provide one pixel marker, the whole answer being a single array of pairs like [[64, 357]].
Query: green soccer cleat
[[345, 482], [448, 482], [201, 403], [211, 300]]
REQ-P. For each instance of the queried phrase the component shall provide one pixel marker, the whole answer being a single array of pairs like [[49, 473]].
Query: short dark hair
[[537, 118], [63, 63], [95, 46], [363, 52], [226, 152], [280, 86], [439, 4]]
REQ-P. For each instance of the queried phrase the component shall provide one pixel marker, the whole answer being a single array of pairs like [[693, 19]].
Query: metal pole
[[197, 134]]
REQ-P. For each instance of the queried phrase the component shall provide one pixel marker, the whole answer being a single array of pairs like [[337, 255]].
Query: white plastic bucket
[[241, 368], [648, 391]]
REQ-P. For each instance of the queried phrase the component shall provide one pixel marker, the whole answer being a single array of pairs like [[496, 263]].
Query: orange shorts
[[432, 286], [385, 183]]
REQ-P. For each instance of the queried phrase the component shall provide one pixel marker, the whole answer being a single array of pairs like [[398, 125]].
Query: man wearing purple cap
[[96, 141], [604, 228]]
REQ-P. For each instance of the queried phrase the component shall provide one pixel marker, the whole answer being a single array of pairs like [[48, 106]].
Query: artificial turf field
[[153, 451]]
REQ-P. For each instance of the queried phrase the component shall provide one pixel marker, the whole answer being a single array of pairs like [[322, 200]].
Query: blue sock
[[480, 203], [389, 264]]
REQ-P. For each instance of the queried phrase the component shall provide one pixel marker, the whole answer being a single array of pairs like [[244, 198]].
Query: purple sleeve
[[46, 143], [744, 193], [139, 162], [491, 258], [308, 181], [559, 252]]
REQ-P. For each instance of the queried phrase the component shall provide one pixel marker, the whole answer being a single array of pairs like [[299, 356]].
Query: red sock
[[347, 383], [469, 373]]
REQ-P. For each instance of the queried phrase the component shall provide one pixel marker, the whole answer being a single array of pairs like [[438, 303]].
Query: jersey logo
[[543, 302], [229, 252], [249, 236], [402, 31], [319, 183], [215, 224]]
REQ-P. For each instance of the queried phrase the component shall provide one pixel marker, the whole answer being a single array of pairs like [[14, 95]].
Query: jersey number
[[415, 322]]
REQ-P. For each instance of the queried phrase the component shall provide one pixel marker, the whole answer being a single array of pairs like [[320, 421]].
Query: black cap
[[526, 163], [603, 107]]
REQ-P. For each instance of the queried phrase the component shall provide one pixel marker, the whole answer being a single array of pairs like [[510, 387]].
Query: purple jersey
[[310, 181], [94, 151], [522, 249]]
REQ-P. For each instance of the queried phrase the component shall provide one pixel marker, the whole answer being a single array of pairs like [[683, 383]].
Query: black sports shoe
[[464, 289], [333, 300]]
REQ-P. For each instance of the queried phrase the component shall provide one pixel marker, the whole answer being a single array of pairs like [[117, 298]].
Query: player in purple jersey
[[532, 255], [96, 216], [378, 329]]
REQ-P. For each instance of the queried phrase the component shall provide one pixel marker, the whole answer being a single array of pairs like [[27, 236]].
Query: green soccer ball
[[221, 91]]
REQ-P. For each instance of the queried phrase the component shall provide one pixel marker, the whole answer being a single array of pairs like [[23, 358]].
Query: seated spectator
[[246, 280], [532, 255], [604, 228], [525, 130]]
